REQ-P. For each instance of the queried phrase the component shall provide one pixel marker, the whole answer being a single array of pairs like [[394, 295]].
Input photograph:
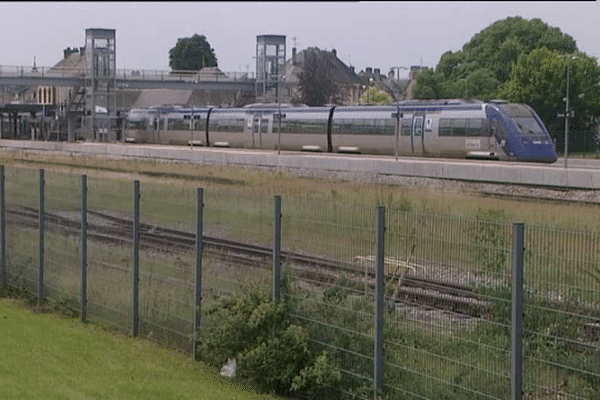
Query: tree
[[539, 79], [316, 86], [487, 60], [192, 54], [428, 86], [374, 95]]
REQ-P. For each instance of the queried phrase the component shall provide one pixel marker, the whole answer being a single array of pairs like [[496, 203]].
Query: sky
[[365, 34]]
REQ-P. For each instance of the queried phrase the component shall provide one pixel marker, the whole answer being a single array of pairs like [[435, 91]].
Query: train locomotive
[[441, 128]]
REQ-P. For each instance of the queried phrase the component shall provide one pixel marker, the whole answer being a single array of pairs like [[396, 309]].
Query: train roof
[[407, 105]]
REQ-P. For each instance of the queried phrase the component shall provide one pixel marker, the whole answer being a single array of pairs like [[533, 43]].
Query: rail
[[204, 75]]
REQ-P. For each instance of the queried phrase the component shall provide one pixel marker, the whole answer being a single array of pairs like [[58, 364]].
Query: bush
[[271, 351]]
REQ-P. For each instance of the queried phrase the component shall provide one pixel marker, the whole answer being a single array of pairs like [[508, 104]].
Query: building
[[347, 81]]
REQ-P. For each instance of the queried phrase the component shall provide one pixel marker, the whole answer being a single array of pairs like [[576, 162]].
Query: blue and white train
[[441, 128]]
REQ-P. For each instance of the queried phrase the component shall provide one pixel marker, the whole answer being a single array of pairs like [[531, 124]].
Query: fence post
[[136, 260], [42, 220], [517, 312], [277, 251], [3, 228], [198, 273], [379, 297], [83, 248]]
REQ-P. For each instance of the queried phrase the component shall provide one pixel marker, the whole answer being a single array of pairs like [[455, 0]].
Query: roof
[[74, 61], [342, 72], [212, 74], [156, 97]]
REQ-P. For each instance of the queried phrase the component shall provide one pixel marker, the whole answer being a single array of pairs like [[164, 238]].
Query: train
[[442, 128]]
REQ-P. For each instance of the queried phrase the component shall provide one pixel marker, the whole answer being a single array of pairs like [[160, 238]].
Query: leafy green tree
[[192, 54], [540, 80], [428, 86], [374, 95], [487, 60]]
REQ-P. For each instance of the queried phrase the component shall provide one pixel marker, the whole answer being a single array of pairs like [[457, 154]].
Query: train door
[[253, 122], [418, 133], [161, 127], [260, 125], [154, 129], [256, 131]]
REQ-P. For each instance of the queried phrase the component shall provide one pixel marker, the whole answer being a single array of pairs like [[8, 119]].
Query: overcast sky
[[365, 34]]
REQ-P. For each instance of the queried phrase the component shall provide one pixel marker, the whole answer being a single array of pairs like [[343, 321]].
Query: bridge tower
[[100, 85], [270, 67]]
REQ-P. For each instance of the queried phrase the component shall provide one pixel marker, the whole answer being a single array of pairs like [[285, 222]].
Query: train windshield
[[525, 120], [529, 127], [136, 124]]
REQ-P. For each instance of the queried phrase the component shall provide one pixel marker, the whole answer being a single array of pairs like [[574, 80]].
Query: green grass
[[45, 356], [187, 177]]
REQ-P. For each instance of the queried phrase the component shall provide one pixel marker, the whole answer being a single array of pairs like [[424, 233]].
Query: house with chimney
[[347, 81]]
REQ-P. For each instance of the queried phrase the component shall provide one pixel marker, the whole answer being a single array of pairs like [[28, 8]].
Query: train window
[[486, 128], [177, 125], [131, 124], [237, 125], [389, 127], [289, 126], [445, 128], [199, 123], [385, 127], [264, 125], [474, 128], [459, 127], [226, 125], [406, 129], [312, 126]]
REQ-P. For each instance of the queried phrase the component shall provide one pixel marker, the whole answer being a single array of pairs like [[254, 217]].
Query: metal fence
[[410, 305]]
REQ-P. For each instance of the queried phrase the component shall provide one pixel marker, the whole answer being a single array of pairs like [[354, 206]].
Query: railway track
[[106, 228]]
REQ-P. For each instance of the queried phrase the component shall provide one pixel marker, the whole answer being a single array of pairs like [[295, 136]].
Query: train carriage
[[443, 128]]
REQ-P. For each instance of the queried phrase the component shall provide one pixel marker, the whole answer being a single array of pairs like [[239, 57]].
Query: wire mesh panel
[[22, 228], [330, 283], [561, 322], [238, 243], [442, 273], [62, 239], [110, 251], [448, 281], [241, 217], [168, 225]]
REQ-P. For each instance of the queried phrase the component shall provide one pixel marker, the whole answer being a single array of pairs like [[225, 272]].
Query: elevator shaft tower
[[270, 67], [100, 85]]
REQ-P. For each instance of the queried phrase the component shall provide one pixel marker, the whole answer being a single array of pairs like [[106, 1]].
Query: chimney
[[369, 71], [293, 56], [334, 52], [377, 72]]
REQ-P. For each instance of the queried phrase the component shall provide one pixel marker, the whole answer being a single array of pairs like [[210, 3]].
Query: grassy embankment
[[433, 199], [45, 356]]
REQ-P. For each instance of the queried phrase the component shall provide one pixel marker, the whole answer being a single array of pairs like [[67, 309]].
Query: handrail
[[204, 75]]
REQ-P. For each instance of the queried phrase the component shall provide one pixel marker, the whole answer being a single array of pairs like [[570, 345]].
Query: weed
[[490, 238]]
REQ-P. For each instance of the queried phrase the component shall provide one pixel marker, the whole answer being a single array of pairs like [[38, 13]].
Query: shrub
[[271, 351]]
